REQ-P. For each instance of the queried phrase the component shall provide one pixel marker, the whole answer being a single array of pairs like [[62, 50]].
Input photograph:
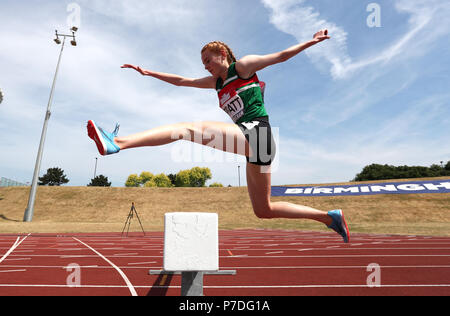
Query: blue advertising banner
[[439, 186]]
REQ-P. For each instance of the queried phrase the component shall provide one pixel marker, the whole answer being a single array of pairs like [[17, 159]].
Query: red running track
[[268, 263]]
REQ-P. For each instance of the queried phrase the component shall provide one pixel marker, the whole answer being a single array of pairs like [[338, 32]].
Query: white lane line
[[16, 244], [341, 267], [138, 263], [7, 271], [238, 286], [245, 267], [125, 254], [273, 252], [69, 249], [130, 286], [341, 256], [319, 286], [19, 259]]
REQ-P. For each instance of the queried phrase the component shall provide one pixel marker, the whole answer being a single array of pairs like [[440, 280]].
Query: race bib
[[232, 105]]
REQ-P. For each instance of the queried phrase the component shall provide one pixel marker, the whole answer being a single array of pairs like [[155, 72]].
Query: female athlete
[[241, 96]]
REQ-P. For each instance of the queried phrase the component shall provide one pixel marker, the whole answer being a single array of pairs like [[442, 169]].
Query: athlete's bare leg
[[259, 189], [223, 136]]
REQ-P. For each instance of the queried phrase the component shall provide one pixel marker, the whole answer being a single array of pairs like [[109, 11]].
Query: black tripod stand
[[130, 217]]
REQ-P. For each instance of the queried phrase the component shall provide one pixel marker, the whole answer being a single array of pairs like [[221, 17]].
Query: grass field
[[90, 209]]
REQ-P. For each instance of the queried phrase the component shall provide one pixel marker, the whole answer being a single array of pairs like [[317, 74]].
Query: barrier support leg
[[192, 281]]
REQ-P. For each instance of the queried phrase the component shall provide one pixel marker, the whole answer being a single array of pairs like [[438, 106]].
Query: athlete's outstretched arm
[[250, 64], [205, 83]]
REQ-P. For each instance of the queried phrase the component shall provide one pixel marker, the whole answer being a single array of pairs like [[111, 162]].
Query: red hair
[[219, 47]]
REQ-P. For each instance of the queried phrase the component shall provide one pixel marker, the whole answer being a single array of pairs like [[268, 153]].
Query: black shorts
[[259, 136]]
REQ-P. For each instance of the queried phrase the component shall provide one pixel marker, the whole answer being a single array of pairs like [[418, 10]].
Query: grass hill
[[94, 209]]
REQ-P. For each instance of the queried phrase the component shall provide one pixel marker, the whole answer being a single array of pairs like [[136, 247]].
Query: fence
[[4, 182]]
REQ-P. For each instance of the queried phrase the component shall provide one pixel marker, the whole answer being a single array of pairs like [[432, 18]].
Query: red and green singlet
[[241, 99]]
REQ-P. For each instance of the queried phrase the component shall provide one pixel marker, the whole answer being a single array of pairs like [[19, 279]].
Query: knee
[[263, 212]]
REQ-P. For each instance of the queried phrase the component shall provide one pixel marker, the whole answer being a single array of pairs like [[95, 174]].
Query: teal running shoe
[[339, 224], [103, 140]]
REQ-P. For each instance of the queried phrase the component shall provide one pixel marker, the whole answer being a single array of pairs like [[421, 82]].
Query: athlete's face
[[215, 63]]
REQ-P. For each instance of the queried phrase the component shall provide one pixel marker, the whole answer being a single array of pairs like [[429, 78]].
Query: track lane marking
[[127, 281], [14, 246], [9, 271], [235, 286]]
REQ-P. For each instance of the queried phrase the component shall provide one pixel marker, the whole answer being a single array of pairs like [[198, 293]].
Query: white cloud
[[302, 22], [428, 21], [147, 13]]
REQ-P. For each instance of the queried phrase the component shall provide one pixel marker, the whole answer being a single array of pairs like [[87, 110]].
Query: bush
[[145, 176], [385, 172], [162, 181], [99, 181], [133, 181], [195, 177], [53, 177], [148, 180]]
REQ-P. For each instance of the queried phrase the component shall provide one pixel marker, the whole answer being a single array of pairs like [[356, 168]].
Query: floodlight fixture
[[57, 40], [73, 42]]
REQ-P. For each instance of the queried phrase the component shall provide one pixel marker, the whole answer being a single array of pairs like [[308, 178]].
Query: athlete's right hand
[[137, 68]]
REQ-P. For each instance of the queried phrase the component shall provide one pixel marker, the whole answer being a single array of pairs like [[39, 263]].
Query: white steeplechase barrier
[[191, 248]]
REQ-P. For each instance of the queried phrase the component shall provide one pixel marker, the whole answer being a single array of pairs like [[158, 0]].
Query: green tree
[[183, 179], [436, 171], [195, 177], [53, 177], [133, 181], [148, 180], [199, 176], [145, 176], [173, 178], [385, 172], [162, 181], [99, 181], [150, 184], [447, 166]]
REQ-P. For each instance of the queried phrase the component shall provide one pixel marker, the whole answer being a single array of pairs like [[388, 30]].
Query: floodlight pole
[[239, 175], [28, 216]]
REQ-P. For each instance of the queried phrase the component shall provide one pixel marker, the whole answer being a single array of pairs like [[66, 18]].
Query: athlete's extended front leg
[[218, 135]]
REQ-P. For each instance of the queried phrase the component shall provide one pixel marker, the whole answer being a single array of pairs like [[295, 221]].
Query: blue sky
[[368, 95]]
